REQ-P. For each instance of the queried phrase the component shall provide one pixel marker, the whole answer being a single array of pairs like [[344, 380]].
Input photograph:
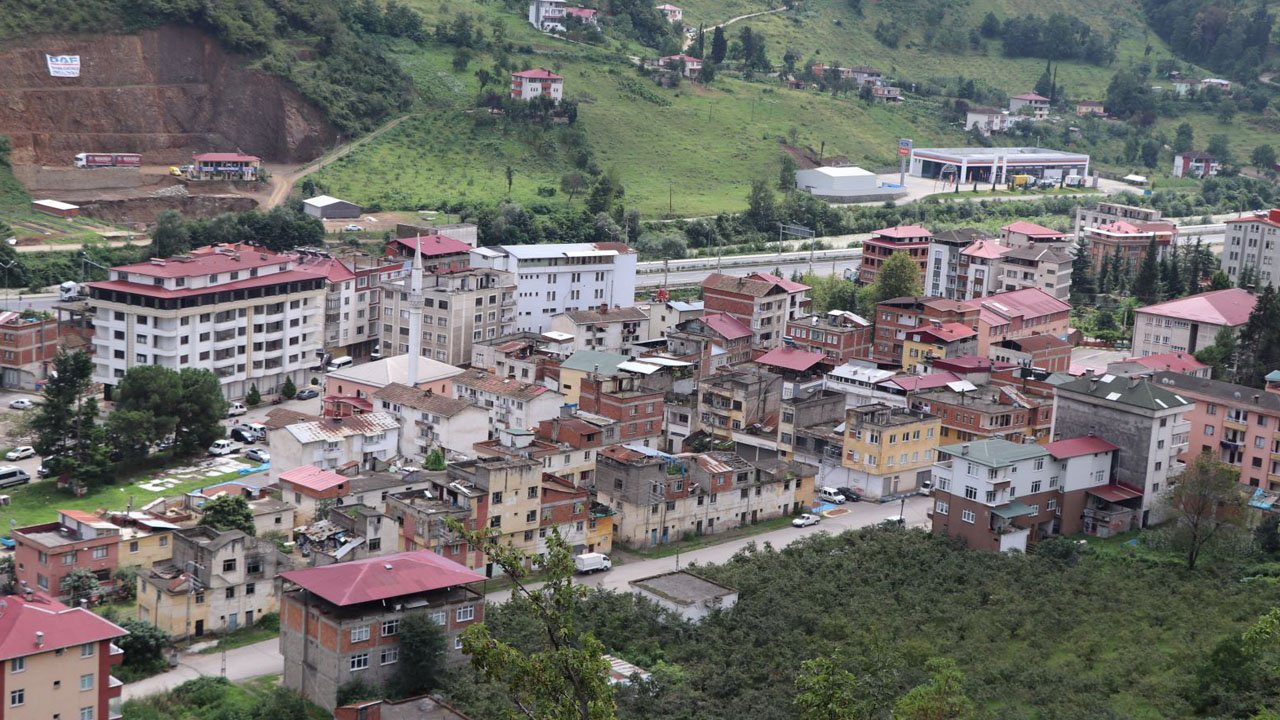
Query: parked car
[[805, 520], [831, 495], [223, 447], [849, 494], [352, 228], [894, 521], [235, 409], [21, 404], [241, 434], [926, 487], [20, 453], [307, 394], [258, 455]]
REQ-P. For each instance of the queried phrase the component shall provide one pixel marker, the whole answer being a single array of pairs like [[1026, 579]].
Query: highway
[[685, 273]]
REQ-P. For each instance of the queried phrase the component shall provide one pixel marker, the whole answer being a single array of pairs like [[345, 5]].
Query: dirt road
[[690, 40], [283, 182]]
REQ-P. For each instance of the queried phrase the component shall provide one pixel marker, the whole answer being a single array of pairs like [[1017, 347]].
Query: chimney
[[604, 308], [39, 639]]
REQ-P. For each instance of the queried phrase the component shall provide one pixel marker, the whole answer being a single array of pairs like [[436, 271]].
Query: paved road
[[264, 658], [785, 263]]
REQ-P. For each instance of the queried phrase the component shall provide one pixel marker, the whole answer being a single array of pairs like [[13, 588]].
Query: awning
[[1012, 510], [1114, 493]]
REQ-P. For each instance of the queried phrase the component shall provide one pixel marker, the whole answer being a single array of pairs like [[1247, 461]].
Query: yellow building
[[144, 541], [600, 529], [583, 363], [888, 450], [940, 340]]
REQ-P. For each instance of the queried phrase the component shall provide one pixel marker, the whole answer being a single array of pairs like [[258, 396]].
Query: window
[[438, 618], [497, 498], [1051, 505], [17, 697], [229, 565], [457, 643], [86, 713], [86, 681], [968, 516], [970, 492], [360, 661], [17, 665], [1035, 510], [465, 613], [360, 633], [390, 627], [250, 588], [1035, 485], [69, 558], [941, 508], [253, 565], [1208, 430], [86, 650], [389, 656]]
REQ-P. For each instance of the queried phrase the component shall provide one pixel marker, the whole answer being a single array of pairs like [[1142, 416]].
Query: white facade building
[[547, 15], [1253, 241], [512, 404], [552, 279], [368, 440], [251, 316], [429, 420]]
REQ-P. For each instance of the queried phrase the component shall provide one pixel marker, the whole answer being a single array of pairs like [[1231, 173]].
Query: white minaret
[[415, 314]]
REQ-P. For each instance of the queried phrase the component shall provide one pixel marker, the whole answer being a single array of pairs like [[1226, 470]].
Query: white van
[[831, 495], [11, 475], [339, 363], [235, 409]]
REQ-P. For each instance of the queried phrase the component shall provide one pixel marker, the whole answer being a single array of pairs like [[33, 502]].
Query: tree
[[1220, 148], [8, 574], [762, 211], [830, 692], [990, 27], [228, 512], [170, 236], [1220, 281], [940, 698], [572, 183], [1146, 286], [1266, 534], [787, 173], [1206, 501], [719, 46], [289, 390], [434, 460], [1128, 94], [1221, 355], [1150, 152], [66, 422], [899, 276], [144, 645], [511, 176], [1184, 138], [131, 432], [1263, 158], [1044, 86], [81, 584], [6, 147], [422, 657], [254, 398], [1083, 283], [563, 676]]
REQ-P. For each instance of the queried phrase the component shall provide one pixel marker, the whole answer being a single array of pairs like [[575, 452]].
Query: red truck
[[92, 160]]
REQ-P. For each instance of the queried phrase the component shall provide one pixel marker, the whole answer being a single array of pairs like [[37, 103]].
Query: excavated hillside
[[165, 93]]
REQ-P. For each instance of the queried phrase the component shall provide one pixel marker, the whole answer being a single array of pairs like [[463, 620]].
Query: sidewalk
[[243, 663]]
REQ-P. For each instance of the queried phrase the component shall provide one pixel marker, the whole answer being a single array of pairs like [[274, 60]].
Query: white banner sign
[[64, 65]]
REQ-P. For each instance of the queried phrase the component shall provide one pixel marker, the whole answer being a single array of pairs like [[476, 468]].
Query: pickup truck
[[225, 447]]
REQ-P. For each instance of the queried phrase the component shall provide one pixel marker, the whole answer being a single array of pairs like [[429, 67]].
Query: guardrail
[[732, 261]]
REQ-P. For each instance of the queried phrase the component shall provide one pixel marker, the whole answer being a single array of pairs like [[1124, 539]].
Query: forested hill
[[1229, 36]]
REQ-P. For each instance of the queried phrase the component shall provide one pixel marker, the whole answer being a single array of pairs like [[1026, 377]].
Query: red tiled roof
[[312, 478], [1220, 307], [1031, 229], [1075, 447], [539, 74], [226, 157], [382, 578], [434, 245], [903, 231], [912, 383], [332, 269], [1272, 218], [985, 249], [581, 12], [1030, 96], [62, 627], [1171, 361], [790, 358], [729, 327], [739, 285], [947, 332], [789, 285]]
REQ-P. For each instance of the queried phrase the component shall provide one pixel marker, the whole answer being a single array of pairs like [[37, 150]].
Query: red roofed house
[[1019, 314], [714, 341], [1045, 352], [588, 16], [529, 84], [45, 554], [840, 335], [341, 623], [1194, 164], [911, 239], [895, 318], [307, 486], [1031, 104], [1189, 324], [440, 254], [57, 661], [1130, 239], [671, 12], [689, 66], [1025, 234], [765, 303], [1253, 241], [1176, 362], [224, 166], [978, 270], [936, 340], [1090, 501]]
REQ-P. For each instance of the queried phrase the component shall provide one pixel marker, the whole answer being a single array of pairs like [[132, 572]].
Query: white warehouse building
[[552, 279], [847, 183]]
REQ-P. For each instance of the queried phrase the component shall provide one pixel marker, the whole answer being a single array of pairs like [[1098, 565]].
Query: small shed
[[56, 208], [693, 597], [330, 208]]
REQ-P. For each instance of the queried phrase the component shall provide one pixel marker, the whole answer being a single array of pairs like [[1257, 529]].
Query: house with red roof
[[897, 316], [1174, 362], [341, 623], [671, 12], [1130, 239], [529, 84], [763, 302], [1031, 104], [224, 166], [1189, 324], [713, 342], [978, 271], [1023, 234], [45, 554], [1045, 352], [1017, 314], [689, 66], [840, 335], [57, 660], [934, 341], [911, 239]]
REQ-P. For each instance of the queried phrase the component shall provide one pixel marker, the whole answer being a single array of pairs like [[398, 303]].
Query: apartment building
[[981, 413], [1091, 502], [145, 540], [422, 520], [252, 316], [365, 441], [942, 269], [45, 554], [979, 270], [429, 421], [765, 303], [581, 431], [312, 490], [1129, 240], [555, 278], [547, 15], [341, 623], [738, 399], [348, 532], [57, 661], [442, 252], [500, 493], [859, 382], [628, 398], [895, 317], [1190, 324], [1045, 352], [1149, 420], [839, 335], [1036, 266], [667, 315], [1023, 234], [350, 312], [713, 342], [1105, 213], [28, 344], [935, 341], [911, 239], [459, 308], [540, 83], [525, 356], [511, 403], [1252, 242], [604, 328], [887, 450], [584, 364], [1018, 314], [217, 582]]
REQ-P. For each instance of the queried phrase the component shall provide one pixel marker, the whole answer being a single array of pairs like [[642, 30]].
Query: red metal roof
[[912, 383], [903, 231], [1077, 446], [1172, 361], [1232, 307], [790, 358], [729, 327], [382, 578], [434, 245], [1031, 229], [539, 74], [208, 260], [789, 285], [312, 478], [947, 332], [159, 292], [990, 250], [1030, 96], [332, 269], [1028, 302], [1271, 218], [1114, 493], [226, 157], [62, 627]]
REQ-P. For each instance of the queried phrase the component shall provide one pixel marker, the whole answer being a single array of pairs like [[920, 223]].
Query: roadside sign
[[904, 146]]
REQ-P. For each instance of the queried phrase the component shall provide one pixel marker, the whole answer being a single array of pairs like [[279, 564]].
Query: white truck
[[587, 563], [70, 291]]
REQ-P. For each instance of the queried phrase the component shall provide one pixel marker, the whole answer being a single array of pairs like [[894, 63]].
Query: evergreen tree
[[719, 46], [1221, 355], [1219, 280], [1171, 274], [289, 389], [762, 211], [1259, 340], [1119, 279], [1083, 283], [254, 397], [1196, 266], [1044, 86]]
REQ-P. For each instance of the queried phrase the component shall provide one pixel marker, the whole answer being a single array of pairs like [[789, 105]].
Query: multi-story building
[[859, 382], [987, 412], [1175, 362], [422, 518], [627, 398], [1128, 240], [269, 513], [942, 269], [1045, 352], [45, 554], [1030, 105], [144, 539], [364, 380], [349, 532], [1018, 314], [28, 343], [895, 317], [978, 272], [713, 342], [604, 328], [1036, 266], [547, 15], [540, 83], [429, 421], [350, 328], [584, 364], [582, 431], [765, 303], [57, 661], [367, 441], [217, 582], [312, 490], [460, 307], [500, 493], [1252, 243], [1236, 424], [555, 278], [936, 341], [840, 335], [1194, 164], [738, 399], [664, 316], [1105, 213], [995, 494], [1148, 420], [252, 316], [524, 356], [511, 403], [1023, 234], [911, 239], [887, 450], [1190, 324], [341, 623]]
